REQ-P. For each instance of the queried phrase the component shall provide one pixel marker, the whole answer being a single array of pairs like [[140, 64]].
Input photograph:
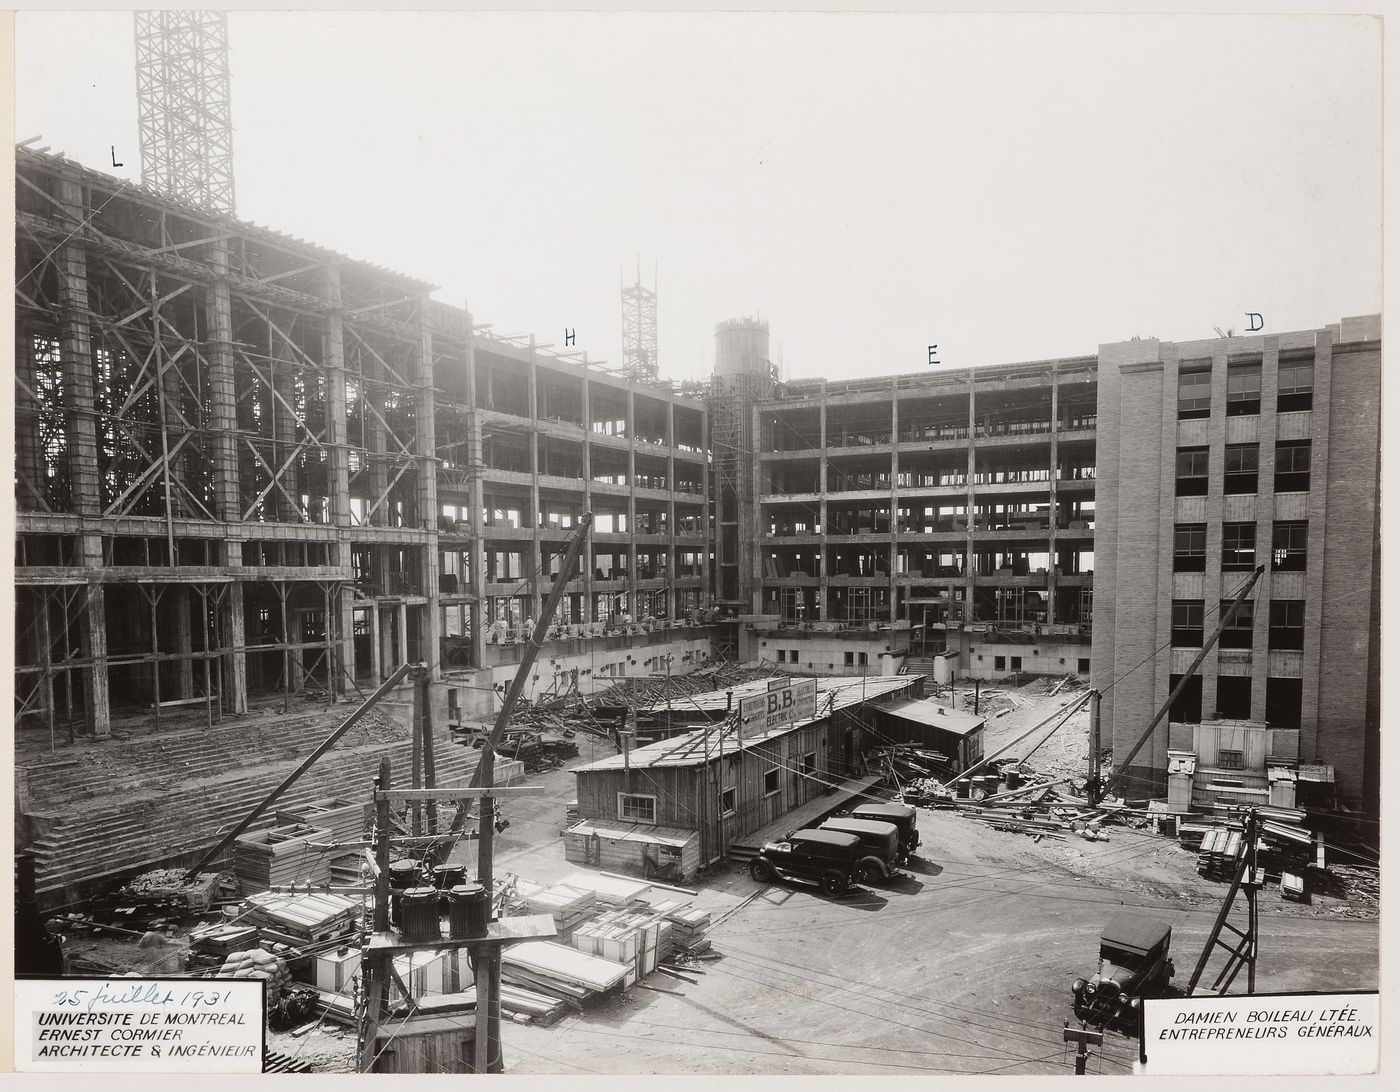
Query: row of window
[[1285, 624], [1238, 547], [641, 807], [1243, 387], [1234, 700], [789, 656], [1292, 468]]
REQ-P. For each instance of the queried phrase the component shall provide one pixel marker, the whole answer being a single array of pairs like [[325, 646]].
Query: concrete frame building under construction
[[248, 465]]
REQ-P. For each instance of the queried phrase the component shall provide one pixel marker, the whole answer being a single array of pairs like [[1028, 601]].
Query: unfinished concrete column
[[93, 635], [171, 394], [632, 591], [401, 634], [476, 558], [534, 570], [338, 444], [894, 502], [824, 564], [1051, 567], [586, 558], [376, 650], [29, 462], [235, 661], [223, 404], [184, 641], [282, 397], [969, 557], [430, 634], [376, 472]]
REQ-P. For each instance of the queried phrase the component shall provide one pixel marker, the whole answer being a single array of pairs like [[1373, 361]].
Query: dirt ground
[[962, 966]]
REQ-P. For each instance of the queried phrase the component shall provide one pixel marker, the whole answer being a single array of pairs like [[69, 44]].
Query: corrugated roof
[[712, 701], [923, 711], [636, 832], [698, 746]]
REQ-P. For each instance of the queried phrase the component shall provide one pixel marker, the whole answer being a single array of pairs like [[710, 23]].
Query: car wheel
[[833, 883], [869, 871], [761, 870]]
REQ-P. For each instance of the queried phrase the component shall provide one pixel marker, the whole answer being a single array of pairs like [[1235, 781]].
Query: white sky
[[1009, 187]]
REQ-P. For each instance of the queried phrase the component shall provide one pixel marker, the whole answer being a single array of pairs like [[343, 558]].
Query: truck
[[829, 858], [1134, 962]]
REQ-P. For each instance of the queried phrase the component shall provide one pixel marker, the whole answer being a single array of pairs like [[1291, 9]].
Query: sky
[[1006, 187]]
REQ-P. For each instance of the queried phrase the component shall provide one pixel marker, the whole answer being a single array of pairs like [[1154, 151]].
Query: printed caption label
[[138, 1025], [1261, 1035]]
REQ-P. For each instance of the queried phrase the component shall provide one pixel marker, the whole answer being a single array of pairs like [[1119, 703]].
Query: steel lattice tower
[[182, 91], [639, 331]]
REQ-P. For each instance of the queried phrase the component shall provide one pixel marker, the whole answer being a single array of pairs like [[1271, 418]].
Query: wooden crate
[[345, 819], [281, 855]]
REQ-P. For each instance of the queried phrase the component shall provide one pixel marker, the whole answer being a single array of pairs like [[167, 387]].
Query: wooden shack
[[426, 1044], [936, 727], [723, 785]]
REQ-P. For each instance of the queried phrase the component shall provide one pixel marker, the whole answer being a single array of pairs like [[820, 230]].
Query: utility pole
[[1245, 953], [1094, 789], [1084, 1038]]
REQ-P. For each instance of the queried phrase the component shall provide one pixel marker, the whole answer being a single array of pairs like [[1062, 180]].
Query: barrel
[[448, 876], [403, 874], [418, 914], [468, 911]]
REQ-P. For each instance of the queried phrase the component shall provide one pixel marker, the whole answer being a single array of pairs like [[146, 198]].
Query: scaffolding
[[182, 91], [639, 331]]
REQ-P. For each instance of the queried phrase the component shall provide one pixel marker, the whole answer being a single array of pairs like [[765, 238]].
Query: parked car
[[879, 843], [829, 858], [1134, 962], [901, 815]]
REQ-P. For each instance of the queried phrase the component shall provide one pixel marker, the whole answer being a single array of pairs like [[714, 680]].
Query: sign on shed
[[786, 701]]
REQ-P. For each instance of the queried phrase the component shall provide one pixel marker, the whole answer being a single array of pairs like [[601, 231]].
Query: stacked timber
[[626, 935], [1220, 853], [280, 856], [221, 941], [609, 890], [688, 928], [562, 972], [569, 906], [345, 819], [299, 920]]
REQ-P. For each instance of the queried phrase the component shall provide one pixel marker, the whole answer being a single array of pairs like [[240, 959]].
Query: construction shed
[[936, 727], [732, 789]]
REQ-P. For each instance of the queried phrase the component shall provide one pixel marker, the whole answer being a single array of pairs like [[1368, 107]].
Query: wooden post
[[376, 983], [416, 738], [429, 760]]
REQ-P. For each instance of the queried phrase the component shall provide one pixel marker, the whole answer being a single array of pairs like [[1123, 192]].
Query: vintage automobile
[[879, 842], [1134, 962], [901, 815], [829, 858]]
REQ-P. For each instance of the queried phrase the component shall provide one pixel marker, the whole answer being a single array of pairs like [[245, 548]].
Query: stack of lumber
[[345, 819], [537, 1008], [281, 855], [569, 906], [625, 935], [338, 1006], [223, 940], [688, 928], [561, 972], [345, 871], [609, 890], [1220, 853], [301, 919], [908, 762]]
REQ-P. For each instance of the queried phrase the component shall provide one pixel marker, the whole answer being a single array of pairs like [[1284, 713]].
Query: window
[[1188, 622], [864, 659], [1189, 555], [728, 803], [1229, 760], [1242, 384], [1015, 663], [1295, 385], [1240, 632], [1286, 624], [850, 659], [1237, 547], [1192, 466], [782, 656], [770, 782], [1187, 707], [1241, 468], [1290, 545], [809, 763], [1283, 703], [1001, 663], [1083, 666], [1232, 697], [1193, 393], [1293, 466], [639, 809], [792, 655]]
